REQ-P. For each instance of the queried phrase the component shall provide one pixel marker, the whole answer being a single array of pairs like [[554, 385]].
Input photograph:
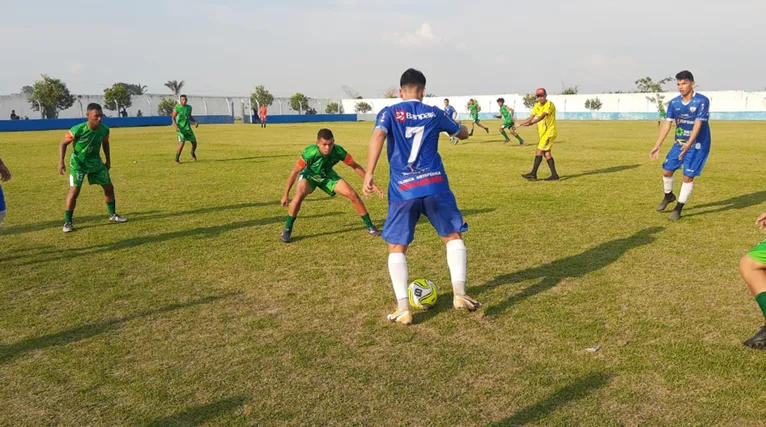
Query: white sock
[[397, 267], [668, 184], [686, 190], [457, 265], [2, 217]]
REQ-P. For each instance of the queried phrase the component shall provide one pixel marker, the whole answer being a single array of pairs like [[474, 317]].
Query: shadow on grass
[[574, 266], [200, 414], [57, 223], [12, 351], [613, 169], [561, 397], [328, 233], [738, 202], [202, 232]]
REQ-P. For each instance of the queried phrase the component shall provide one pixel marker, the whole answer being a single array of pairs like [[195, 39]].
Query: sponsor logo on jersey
[[400, 115]]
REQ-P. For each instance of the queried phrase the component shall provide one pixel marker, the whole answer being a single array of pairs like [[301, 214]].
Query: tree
[[165, 107], [574, 90], [52, 94], [136, 90], [175, 86], [593, 104], [363, 107], [299, 102], [332, 108], [647, 85], [430, 95], [117, 96], [261, 96], [391, 93], [616, 91], [657, 100], [529, 100]]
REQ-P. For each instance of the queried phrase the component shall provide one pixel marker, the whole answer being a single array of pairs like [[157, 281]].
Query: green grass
[[194, 313]]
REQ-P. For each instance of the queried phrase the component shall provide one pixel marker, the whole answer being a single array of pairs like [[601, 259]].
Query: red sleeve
[[106, 139], [301, 163], [69, 137], [348, 160]]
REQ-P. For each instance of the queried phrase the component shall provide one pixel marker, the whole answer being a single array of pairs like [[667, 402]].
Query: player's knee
[[2, 216], [747, 264]]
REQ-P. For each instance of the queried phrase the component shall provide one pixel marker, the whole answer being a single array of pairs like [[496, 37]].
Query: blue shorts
[[441, 210], [693, 162], [2, 199]]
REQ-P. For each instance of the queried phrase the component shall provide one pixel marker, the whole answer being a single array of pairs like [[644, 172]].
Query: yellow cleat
[[465, 303], [399, 316]]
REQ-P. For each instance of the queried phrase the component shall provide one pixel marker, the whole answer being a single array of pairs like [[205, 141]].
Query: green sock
[[761, 300], [289, 222], [367, 220], [194, 155], [111, 207], [68, 216], [519, 138], [178, 157], [504, 134]]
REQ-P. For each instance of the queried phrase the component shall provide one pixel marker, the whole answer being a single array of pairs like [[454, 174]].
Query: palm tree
[[175, 86]]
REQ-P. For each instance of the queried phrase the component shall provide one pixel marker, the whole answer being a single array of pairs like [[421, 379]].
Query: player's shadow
[[12, 351], [577, 390], [603, 171], [327, 233], [739, 202], [553, 273], [202, 232], [201, 414]]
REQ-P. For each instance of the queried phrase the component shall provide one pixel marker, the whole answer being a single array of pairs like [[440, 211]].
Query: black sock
[[538, 161], [552, 165], [679, 206], [670, 196]]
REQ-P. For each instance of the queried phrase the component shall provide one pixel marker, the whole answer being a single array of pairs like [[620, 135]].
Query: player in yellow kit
[[544, 115]]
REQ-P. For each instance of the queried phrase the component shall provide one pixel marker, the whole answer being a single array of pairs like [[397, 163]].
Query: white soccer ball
[[422, 294]]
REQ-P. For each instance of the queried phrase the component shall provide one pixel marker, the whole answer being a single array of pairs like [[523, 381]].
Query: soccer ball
[[422, 294]]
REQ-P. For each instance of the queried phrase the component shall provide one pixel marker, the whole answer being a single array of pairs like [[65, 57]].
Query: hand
[[196, 125], [378, 190], [5, 174], [285, 201], [761, 221], [684, 149], [655, 153], [369, 185], [62, 169], [175, 127], [108, 164]]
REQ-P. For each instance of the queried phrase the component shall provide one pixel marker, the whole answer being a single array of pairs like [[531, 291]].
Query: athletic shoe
[[506, 141], [529, 176], [117, 218], [373, 231], [552, 178], [470, 134], [758, 341], [465, 303], [399, 316], [669, 198], [521, 143], [68, 227], [194, 157], [285, 236], [487, 129], [675, 215]]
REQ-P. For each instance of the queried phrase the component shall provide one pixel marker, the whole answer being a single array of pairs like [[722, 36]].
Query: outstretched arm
[[360, 171], [299, 165], [527, 121], [193, 120], [373, 155], [761, 221], [5, 174]]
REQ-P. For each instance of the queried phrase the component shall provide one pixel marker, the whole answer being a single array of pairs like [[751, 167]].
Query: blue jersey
[[413, 129], [684, 115], [450, 111]]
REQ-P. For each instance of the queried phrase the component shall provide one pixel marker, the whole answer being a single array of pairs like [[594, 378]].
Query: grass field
[[194, 313]]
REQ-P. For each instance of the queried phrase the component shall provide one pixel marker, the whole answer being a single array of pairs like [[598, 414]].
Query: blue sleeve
[[703, 111], [448, 124], [671, 114], [383, 122]]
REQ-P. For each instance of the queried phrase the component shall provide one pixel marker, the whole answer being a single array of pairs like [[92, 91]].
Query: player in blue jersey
[[5, 175], [418, 186], [451, 112], [690, 112]]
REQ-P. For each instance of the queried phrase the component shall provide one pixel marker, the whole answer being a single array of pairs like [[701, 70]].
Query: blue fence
[[310, 118], [112, 122]]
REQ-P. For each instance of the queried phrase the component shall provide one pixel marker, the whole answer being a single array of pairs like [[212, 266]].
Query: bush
[[165, 107], [363, 107], [332, 108]]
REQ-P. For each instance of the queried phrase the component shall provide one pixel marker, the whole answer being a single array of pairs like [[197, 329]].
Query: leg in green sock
[[505, 135], [68, 216], [289, 223], [111, 207], [761, 300], [367, 220]]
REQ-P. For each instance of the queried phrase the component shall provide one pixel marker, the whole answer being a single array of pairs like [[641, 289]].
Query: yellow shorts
[[546, 142]]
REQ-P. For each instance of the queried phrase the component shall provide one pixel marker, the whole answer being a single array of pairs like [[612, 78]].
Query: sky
[[474, 47]]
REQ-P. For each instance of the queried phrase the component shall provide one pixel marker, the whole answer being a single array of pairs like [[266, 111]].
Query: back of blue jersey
[[450, 110], [413, 129], [684, 115]]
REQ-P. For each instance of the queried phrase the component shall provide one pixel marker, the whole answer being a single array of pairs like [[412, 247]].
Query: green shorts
[[759, 253], [97, 174], [509, 125], [186, 135], [325, 184], [476, 119]]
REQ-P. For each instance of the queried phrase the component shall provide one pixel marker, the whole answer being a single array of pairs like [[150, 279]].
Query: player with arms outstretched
[[450, 111], [752, 267], [475, 108], [506, 113], [315, 168], [544, 114], [5, 175], [418, 186], [182, 121], [88, 138], [690, 112]]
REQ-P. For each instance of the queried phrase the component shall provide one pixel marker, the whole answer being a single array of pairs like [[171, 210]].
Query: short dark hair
[[446, 99], [501, 100], [93, 106], [413, 77], [182, 96], [685, 75], [325, 134]]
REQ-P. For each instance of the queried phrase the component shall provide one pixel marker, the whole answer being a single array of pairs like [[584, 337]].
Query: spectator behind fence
[[124, 112], [14, 116], [139, 114]]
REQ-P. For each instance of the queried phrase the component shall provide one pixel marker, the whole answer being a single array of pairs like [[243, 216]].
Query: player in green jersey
[[506, 113], [88, 139], [752, 267], [315, 168], [474, 108], [662, 114], [182, 122]]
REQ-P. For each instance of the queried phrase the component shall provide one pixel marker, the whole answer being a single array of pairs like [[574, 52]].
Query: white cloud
[[75, 68], [501, 59], [423, 36]]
